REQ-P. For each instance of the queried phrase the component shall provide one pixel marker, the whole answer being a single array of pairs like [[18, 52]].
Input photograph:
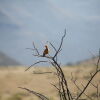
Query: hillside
[[88, 62], [7, 61]]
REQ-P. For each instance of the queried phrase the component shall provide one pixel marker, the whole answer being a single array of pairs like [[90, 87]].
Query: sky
[[25, 21]]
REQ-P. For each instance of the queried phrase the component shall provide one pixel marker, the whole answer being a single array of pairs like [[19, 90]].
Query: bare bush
[[62, 87]]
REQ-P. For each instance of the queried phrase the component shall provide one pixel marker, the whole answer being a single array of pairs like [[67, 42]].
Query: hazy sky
[[25, 21]]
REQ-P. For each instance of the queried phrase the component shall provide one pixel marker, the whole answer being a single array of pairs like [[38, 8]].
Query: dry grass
[[13, 77]]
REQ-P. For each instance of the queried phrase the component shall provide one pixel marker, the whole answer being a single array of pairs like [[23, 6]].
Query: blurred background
[[22, 22]]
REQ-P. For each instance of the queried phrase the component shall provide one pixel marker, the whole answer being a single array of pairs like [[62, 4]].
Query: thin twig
[[60, 44], [49, 57], [41, 96], [55, 87], [36, 49], [34, 64], [52, 46], [97, 89], [30, 49]]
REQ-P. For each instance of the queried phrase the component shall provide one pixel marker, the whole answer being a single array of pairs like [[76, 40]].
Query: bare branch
[[41, 96], [97, 89], [30, 49], [74, 81], [97, 92], [91, 78], [60, 44], [34, 64], [49, 57], [55, 87], [36, 48], [52, 46], [94, 85], [87, 85], [63, 82]]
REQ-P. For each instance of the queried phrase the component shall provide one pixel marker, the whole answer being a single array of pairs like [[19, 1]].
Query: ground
[[13, 77]]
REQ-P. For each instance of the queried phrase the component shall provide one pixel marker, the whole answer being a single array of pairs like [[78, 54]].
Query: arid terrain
[[13, 77]]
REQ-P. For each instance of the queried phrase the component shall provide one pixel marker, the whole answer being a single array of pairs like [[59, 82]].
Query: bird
[[46, 51]]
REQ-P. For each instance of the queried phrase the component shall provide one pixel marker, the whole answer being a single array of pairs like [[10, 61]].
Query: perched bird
[[46, 51]]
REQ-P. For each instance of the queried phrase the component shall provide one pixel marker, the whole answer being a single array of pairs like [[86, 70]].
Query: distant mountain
[[7, 61], [88, 62]]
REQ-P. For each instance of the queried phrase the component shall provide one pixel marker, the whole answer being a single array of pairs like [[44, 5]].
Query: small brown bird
[[46, 51]]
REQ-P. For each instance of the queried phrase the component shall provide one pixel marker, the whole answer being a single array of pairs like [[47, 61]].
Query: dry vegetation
[[13, 77], [71, 83]]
